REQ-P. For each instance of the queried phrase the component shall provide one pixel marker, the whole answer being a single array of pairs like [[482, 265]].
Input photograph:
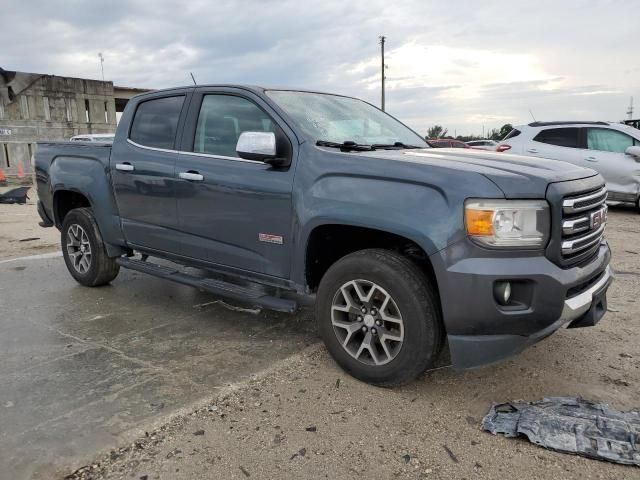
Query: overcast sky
[[461, 64]]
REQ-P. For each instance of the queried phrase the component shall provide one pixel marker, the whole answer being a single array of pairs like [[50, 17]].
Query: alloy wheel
[[367, 322], [79, 248]]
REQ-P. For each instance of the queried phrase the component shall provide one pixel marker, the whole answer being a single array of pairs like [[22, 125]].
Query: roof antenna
[[530, 112], [193, 78]]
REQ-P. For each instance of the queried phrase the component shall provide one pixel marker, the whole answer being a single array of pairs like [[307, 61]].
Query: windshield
[[332, 118]]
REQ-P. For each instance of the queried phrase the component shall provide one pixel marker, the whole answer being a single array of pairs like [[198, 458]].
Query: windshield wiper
[[393, 146], [348, 146]]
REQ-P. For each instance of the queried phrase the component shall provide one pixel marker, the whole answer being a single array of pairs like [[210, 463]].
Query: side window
[[222, 119], [156, 121], [562, 137], [607, 140], [513, 133]]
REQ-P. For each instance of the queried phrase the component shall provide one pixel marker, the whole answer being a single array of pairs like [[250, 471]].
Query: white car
[[613, 149], [94, 137], [490, 145]]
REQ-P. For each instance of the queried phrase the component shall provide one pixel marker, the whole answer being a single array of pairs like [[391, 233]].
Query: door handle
[[591, 159], [124, 167], [191, 176], [532, 150]]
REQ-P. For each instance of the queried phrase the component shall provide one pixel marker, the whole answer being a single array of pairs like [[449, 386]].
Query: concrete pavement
[[82, 370]]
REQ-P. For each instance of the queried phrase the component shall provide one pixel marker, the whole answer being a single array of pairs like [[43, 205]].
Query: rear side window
[[562, 137], [607, 140], [513, 133], [156, 122]]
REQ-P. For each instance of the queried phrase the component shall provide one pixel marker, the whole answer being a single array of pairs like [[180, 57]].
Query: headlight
[[507, 223]]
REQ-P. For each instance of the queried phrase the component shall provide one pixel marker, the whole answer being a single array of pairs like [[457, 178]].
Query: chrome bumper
[[577, 306]]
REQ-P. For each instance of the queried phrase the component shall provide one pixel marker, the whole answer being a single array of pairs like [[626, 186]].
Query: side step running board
[[217, 287]]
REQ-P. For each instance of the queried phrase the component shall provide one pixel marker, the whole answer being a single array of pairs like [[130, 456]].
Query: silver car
[[613, 149], [490, 145], [94, 137]]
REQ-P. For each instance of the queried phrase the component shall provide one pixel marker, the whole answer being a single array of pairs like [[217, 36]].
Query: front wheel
[[84, 251], [378, 315]]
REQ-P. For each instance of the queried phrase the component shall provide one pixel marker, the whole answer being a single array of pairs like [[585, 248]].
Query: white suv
[[613, 149]]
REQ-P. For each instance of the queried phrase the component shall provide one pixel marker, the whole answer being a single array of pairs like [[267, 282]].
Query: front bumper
[[480, 331]]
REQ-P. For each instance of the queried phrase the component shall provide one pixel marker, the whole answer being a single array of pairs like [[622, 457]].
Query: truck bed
[[72, 166]]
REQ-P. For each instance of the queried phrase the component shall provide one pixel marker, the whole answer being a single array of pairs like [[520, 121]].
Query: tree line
[[438, 131]]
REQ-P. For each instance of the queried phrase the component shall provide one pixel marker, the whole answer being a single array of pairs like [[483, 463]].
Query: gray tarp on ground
[[571, 425], [13, 194]]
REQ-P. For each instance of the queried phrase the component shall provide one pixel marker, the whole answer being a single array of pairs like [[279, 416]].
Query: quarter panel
[[87, 174]]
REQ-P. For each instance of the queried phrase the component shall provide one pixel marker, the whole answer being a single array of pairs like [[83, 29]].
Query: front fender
[[421, 212]]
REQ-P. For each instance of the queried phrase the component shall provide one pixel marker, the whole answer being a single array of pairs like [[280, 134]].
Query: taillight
[[503, 148]]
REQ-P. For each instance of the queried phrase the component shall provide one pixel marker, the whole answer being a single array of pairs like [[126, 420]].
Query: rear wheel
[[84, 251], [379, 318]]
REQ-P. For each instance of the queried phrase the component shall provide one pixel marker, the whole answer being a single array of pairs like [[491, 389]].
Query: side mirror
[[259, 146], [634, 152]]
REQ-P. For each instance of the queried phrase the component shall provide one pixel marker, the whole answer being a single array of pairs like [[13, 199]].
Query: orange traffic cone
[[3, 179], [20, 170]]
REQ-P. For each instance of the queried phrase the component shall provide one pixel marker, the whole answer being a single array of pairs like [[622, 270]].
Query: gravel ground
[[307, 419]]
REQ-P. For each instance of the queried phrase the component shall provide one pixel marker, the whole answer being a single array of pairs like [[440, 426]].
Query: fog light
[[502, 292]]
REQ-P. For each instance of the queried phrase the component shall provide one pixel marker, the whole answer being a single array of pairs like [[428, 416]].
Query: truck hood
[[516, 175]]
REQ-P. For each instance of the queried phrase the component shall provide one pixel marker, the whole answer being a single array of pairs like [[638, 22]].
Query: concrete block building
[[38, 107]]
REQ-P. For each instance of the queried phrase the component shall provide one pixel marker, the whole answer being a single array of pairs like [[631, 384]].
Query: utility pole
[[382, 67], [630, 111], [101, 57]]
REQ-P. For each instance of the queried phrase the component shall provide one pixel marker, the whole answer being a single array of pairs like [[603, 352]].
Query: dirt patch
[[20, 234], [308, 419]]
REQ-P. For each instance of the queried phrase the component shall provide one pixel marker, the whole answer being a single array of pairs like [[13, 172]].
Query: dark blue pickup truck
[[275, 196]]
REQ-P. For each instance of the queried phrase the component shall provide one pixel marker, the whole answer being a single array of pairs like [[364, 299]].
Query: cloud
[[461, 66]]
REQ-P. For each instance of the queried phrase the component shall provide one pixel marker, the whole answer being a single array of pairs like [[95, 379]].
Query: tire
[[413, 301], [84, 251]]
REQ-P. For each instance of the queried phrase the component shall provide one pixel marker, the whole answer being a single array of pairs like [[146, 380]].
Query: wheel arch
[[327, 242], [65, 200]]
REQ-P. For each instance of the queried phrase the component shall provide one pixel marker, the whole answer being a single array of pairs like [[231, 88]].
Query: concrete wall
[[51, 108]]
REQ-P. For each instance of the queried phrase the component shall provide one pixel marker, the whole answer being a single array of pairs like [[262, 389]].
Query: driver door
[[606, 154], [232, 211]]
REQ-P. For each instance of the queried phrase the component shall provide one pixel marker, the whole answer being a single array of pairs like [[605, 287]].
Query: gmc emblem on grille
[[598, 218]]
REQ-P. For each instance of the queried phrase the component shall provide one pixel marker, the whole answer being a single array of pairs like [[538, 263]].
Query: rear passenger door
[[232, 211], [143, 172]]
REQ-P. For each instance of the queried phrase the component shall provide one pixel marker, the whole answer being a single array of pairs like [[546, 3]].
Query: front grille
[[583, 223]]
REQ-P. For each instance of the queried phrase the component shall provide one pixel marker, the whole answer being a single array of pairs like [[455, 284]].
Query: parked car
[[94, 137], [490, 145], [613, 149], [446, 143], [281, 195], [633, 123]]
